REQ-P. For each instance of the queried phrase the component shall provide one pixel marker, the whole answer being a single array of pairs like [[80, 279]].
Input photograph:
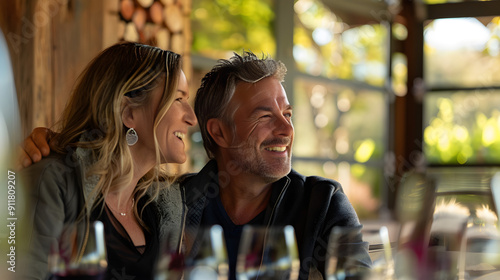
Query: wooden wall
[[51, 41]]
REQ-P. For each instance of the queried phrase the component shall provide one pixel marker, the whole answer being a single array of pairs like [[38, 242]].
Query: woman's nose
[[190, 117]]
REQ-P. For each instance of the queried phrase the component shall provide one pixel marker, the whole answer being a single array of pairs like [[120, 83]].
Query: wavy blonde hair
[[124, 73]]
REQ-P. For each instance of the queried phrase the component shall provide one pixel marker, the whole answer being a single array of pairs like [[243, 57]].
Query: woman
[[128, 114]]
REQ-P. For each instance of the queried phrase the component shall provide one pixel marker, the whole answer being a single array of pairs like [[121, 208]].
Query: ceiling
[[359, 12]]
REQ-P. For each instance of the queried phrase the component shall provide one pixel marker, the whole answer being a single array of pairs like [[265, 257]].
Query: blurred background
[[378, 87]]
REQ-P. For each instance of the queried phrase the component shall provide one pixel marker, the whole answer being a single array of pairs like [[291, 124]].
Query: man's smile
[[276, 149]]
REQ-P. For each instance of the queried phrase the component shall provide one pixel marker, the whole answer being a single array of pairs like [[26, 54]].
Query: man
[[246, 124]]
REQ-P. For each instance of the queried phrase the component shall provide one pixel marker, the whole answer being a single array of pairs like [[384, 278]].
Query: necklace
[[123, 214]]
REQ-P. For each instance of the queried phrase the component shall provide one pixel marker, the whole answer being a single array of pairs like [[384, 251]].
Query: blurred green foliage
[[221, 27], [324, 45], [463, 128]]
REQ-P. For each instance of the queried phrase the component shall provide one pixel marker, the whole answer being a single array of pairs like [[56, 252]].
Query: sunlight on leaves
[[222, 27], [459, 133], [326, 46]]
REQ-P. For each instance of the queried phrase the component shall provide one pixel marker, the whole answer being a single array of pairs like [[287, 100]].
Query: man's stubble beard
[[250, 160]]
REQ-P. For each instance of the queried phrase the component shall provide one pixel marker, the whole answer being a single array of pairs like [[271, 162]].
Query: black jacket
[[312, 205]]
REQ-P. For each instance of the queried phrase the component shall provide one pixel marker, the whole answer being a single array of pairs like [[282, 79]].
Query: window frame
[[455, 10]]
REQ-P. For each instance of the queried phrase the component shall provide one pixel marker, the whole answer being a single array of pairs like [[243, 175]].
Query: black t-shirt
[[125, 260], [215, 214]]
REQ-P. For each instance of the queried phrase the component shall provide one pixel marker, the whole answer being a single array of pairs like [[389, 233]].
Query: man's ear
[[219, 132]]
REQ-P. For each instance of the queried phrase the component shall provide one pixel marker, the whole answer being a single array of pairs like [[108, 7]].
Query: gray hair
[[218, 86]]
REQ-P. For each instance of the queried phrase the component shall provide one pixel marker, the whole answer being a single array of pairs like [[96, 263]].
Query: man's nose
[[284, 126]]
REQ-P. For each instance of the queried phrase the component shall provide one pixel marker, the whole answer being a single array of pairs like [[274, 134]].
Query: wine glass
[[268, 253], [479, 251], [79, 254], [344, 252], [381, 254], [170, 265], [207, 255]]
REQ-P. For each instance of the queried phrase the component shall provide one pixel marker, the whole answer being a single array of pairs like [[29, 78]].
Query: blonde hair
[[124, 73]]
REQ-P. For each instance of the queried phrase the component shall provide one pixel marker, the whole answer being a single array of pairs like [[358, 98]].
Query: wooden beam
[[462, 9], [43, 82], [408, 110]]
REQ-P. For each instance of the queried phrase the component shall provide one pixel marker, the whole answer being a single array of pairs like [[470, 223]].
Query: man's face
[[263, 129]]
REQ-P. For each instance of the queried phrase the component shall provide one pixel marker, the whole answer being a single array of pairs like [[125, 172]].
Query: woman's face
[[173, 127]]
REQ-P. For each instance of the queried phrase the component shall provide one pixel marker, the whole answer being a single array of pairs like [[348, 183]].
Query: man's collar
[[277, 187]]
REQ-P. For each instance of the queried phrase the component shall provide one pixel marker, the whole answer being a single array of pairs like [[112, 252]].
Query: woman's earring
[[132, 137]]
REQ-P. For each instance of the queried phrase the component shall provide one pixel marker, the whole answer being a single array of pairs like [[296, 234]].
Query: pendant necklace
[[123, 214]]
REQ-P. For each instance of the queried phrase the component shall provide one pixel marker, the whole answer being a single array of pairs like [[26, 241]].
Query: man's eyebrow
[[268, 109], [262, 108]]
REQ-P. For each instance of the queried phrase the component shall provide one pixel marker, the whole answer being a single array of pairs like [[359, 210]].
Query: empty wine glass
[[268, 253], [79, 254], [479, 251], [207, 256], [381, 254], [345, 251]]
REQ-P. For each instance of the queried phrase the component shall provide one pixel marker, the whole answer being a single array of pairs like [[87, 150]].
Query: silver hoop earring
[[131, 137]]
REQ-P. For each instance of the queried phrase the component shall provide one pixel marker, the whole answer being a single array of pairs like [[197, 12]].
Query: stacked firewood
[[162, 23]]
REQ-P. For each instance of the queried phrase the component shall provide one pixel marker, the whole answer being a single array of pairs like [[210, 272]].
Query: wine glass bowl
[[171, 261], [480, 251], [381, 254], [79, 254], [199, 253], [207, 257], [344, 252], [267, 253]]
